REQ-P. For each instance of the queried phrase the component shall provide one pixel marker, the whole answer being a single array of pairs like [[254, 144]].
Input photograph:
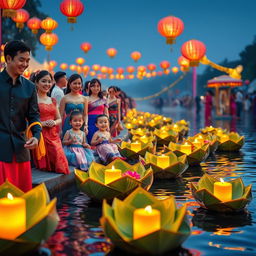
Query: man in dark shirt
[[18, 107]]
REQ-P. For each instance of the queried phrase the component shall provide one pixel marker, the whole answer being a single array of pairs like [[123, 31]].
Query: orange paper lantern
[[49, 40], [194, 51], [170, 27], [165, 64], [120, 71], [135, 56], [86, 47], [86, 69], [72, 67], [130, 69], [151, 67], [34, 24], [104, 69], [52, 64], [49, 24], [111, 52], [96, 67], [175, 70], [20, 18], [63, 66], [72, 9], [80, 61]]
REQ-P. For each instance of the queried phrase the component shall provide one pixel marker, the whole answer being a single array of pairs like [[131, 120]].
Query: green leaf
[[8, 187], [206, 182], [237, 188]]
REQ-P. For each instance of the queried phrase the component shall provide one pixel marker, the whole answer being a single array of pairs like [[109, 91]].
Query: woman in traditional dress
[[55, 159], [114, 110], [73, 100], [97, 105]]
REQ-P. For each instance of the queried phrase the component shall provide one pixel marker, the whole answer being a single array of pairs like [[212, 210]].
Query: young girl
[[76, 149], [105, 146]]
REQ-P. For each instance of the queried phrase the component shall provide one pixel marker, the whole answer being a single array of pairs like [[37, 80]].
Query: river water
[[213, 234]]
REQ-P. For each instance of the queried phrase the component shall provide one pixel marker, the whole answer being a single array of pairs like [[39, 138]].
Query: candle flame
[[113, 167], [221, 180], [200, 137], [9, 196], [148, 209], [186, 143], [196, 140], [175, 126]]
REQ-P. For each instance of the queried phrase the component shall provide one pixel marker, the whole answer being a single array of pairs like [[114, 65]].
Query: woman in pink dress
[[97, 105], [208, 106], [55, 159], [232, 104]]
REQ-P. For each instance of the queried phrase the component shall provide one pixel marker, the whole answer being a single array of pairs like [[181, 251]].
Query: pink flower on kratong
[[134, 175]]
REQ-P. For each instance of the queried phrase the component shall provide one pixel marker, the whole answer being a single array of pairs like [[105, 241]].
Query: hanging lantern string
[[165, 89]]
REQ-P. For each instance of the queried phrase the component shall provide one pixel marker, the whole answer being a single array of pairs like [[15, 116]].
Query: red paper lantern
[[120, 71], [111, 52], [96, 67], [110, 71], [49, 24], [151, 67], [10, 6], [49, 40], [141, 69], [86, 69], [72, 9], [86, 47], [130, 69], [72, 67], [104, 69], [165, 64], [194, 51], [170, 27], [175, 70], [20, 18], [34, 24], [135, 56]]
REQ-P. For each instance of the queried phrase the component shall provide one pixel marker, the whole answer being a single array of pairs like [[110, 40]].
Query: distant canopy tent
[[223, 85]]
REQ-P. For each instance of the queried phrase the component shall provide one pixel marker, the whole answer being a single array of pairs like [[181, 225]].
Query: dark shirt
[[18, 107]]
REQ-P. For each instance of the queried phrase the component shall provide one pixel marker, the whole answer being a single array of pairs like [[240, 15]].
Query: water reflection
[[213, 234]]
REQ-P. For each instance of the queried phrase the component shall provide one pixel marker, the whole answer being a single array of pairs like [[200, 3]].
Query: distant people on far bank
[[239, 103], [208, 101]]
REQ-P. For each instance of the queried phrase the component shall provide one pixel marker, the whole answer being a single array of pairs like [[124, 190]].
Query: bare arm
[[66, 139], [85, 115], [62, 107], [119, 110], [96, 139]]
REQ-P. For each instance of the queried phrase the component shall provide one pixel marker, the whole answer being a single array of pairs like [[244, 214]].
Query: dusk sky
[[225, 26]]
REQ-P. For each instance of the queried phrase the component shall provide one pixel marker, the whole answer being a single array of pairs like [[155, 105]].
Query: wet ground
[[213, 234]]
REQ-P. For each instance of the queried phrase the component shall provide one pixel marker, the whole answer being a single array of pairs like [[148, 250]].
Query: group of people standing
[[76, 120]]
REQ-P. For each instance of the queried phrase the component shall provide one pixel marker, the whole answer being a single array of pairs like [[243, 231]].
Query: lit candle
[[144, 139], [12, 217], [201, 139], [163, 161], [129, 126], [186, 148], [197, 143], [112, 174], [145, 221], [224, 138], [139, 131], [223, 190], [176, 128], [136, 146]]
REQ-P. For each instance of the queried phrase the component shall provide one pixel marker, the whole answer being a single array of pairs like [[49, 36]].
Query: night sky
[[225, 27]]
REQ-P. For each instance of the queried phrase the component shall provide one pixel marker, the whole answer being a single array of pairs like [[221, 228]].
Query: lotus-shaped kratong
[[204, 195], [138, 131], [126, 151], [41, 220], [117, 222], [232, 142], [93, 184], [177, 165], [197, 155], [164, 136]]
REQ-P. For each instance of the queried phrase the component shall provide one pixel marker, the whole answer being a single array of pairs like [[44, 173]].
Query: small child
[[77, 151], [105, 146]]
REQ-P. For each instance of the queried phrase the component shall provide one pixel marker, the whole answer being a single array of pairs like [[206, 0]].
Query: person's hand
[[100, 139], [118, 140], [50, 123], [31, 143], [85, 145], [85, 129]]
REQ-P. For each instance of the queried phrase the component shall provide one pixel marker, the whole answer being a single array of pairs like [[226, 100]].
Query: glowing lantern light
[[135, 56], [131, 76], [111, 52], [183, 62], [86, 47], [141, 69], [20, 18], [72, 67], [96, 67], [160, 73], [63, 66], [10, 6], [104, 69], [80, 61], [72, 9], [86, 69], [148, 75], [52, 64], [79, 69], [120, 71], [49, 24], [175, 70], [165, 64], [153, 73], [194, 51], [49, 40], [151, 67], [111, 76], [110, 71], [130, 69], [166, 71], [34, 24], [92, 73], [26, 74], [170, 27]]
